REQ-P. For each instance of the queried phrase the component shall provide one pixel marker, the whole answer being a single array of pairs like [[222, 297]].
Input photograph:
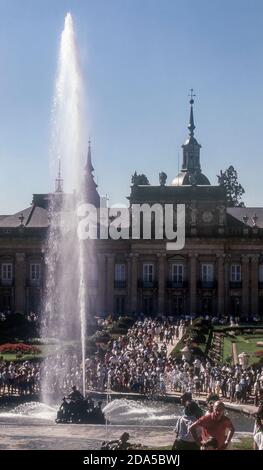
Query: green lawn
[[26, 357], [245, 343], [45, 349]]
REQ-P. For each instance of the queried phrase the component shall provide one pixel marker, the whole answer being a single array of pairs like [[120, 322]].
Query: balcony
[[147, 284], [207, 284], [177, 284], [120, 284], [235, 284], [33, 282], [7, 282]]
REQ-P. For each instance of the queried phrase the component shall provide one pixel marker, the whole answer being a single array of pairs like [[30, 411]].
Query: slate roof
[[149, 193], [237, 215], [34, 217]]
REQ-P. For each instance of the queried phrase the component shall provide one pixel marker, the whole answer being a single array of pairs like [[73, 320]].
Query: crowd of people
[[140, 362], [137, 362], [19, 378]]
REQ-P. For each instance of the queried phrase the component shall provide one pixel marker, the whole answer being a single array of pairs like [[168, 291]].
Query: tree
[[234, 190], [139, 179]]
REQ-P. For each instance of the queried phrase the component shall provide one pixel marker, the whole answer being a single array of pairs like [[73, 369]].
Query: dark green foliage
[[117, 330], [17, 326], [125, 322], [234, 190], [101, 337], [136, 179]]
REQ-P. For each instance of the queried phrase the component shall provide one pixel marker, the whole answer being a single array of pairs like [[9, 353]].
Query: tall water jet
[[65, 306]]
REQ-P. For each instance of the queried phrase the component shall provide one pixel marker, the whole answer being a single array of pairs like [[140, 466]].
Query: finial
[[21, 218], [245, 218], [191, 125], [254, 220], [191, 96]]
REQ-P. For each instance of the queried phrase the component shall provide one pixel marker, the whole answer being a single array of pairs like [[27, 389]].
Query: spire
[[89, 166], [59, 180], [89, 192], [191, 125], [191, 173]]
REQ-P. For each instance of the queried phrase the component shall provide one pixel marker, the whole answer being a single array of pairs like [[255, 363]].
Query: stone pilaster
[[245, 284], [110, 283], [226, 284], [20, 282], [254, 284], [102, 282], [134, 282], [193, 281], [161, 282], [220, 285], [128, 283]]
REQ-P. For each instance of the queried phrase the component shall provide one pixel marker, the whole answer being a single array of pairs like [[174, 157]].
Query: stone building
[[218, 272]]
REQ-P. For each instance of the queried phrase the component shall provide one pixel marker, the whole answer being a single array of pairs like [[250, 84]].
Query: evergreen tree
[[234, 190], [139, 179]]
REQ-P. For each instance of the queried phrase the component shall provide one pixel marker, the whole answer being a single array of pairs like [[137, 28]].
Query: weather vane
[[192, 96]]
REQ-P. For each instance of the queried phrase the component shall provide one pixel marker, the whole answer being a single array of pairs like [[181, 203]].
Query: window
[[35, 272], [148, 272], [177, 305], [148, 305], [7, 272], [120, 304], [177, 273], [207, 273], [260, 273], [120, 272], [235, 274]]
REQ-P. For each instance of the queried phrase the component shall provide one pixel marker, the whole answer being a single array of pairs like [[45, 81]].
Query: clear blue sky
[[139, 59]]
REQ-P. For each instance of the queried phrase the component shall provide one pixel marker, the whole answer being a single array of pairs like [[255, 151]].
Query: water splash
[[124, 411], [34, 410], [65, 291]]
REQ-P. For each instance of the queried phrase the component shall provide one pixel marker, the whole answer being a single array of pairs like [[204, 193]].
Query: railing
[[33, 282], [235, 284], [120, 284], [7, 282], [177, 284], [147, 284], [207, 284]]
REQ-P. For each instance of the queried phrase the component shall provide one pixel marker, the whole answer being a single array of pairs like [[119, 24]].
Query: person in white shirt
[[258, 434]]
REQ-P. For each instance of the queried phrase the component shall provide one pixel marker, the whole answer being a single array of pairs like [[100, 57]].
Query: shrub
[[197, 351], [125, 322], [15, 348], [198, 337], [117, 330], [91, 347], [101, 337]]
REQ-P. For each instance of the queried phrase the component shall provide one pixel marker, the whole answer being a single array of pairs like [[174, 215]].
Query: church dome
[[187, 178]]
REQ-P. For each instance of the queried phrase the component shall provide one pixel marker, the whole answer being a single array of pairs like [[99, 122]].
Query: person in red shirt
[[215, 424]]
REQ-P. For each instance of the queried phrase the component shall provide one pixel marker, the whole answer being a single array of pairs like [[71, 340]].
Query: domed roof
[[189, 178]]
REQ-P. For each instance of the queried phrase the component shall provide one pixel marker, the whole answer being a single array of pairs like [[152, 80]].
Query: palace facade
[[218, 272]]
